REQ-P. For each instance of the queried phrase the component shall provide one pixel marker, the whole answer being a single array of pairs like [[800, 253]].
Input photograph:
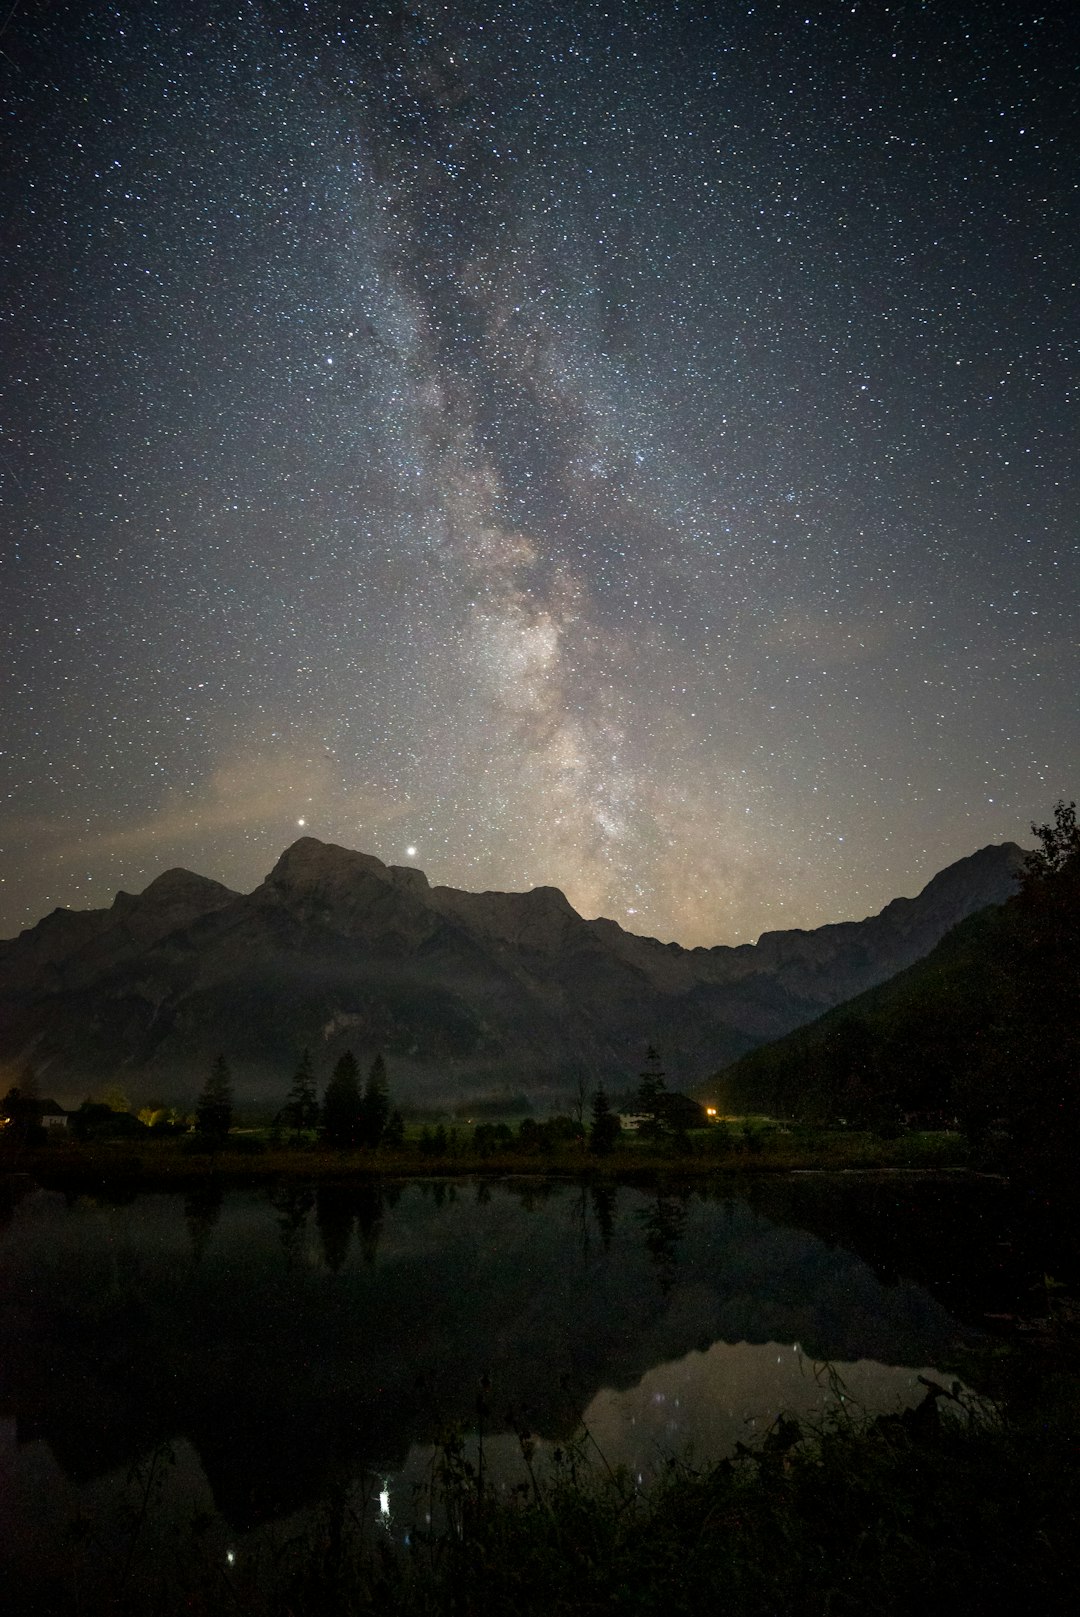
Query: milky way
[[623, 448]]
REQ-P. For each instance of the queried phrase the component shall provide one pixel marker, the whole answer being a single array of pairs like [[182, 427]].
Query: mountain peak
[[180, 883], [988, 876], [175, 895], [537, 919], [552, 898], [1004, 859], [309, 862], [352, 894], [409, 876]]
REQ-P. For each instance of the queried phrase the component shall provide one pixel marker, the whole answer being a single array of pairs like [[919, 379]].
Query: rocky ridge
[[466, 993]]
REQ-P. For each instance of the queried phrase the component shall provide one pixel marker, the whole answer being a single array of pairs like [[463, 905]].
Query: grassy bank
[[252, 1159]]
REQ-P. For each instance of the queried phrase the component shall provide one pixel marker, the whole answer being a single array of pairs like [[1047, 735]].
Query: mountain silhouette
[[467, 994]]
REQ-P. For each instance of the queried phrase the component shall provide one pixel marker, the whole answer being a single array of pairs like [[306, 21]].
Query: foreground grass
[[947, 1507], [163, 1164], [941, 1508]]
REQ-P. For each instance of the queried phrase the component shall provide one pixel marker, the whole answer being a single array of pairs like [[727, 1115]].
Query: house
[[19, 1112]]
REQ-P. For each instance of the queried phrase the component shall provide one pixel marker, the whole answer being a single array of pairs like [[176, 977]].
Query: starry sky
[[630, 448]]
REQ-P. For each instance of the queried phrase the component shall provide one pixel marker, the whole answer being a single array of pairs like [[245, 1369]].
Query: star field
[[625, 448]]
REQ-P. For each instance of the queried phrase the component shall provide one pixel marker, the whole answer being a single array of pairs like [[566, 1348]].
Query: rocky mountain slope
[[466, 993]]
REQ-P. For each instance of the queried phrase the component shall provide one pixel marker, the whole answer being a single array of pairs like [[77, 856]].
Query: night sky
[[627, 448]]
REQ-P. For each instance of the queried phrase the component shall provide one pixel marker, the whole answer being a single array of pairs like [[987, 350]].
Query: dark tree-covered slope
[[985, 1028]]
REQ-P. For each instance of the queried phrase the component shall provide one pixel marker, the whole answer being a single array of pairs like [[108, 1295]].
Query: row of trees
[[532, 1135], [352, 1115], [348, 1116], [660, 1113]]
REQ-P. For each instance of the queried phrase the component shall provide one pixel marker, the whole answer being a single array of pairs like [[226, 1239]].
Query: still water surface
[[228, 1359]]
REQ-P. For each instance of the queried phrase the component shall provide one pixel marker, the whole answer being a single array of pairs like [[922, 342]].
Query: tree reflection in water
[[368, 1203], [292, 1204], [334, 1218], [604, 1200], [664, 1223], [341, 1208], [202, 1209]]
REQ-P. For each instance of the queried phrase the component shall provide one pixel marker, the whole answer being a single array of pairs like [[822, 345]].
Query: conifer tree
[[652, 1096], [214, 1107], [606, 1127], [342, 1106], [301, 1109], [375, 1111]]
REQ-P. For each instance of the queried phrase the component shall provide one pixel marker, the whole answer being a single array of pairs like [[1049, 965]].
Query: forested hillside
[[985, 1029]]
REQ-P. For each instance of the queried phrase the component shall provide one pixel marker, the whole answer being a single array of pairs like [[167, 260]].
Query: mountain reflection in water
[[281, 1341]]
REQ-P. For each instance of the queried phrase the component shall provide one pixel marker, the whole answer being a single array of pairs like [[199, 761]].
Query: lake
[[224, 1361]]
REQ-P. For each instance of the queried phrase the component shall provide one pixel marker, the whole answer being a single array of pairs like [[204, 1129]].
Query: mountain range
[[467, 994]]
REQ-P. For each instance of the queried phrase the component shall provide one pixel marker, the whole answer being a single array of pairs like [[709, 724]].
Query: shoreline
[[165, 1166]]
